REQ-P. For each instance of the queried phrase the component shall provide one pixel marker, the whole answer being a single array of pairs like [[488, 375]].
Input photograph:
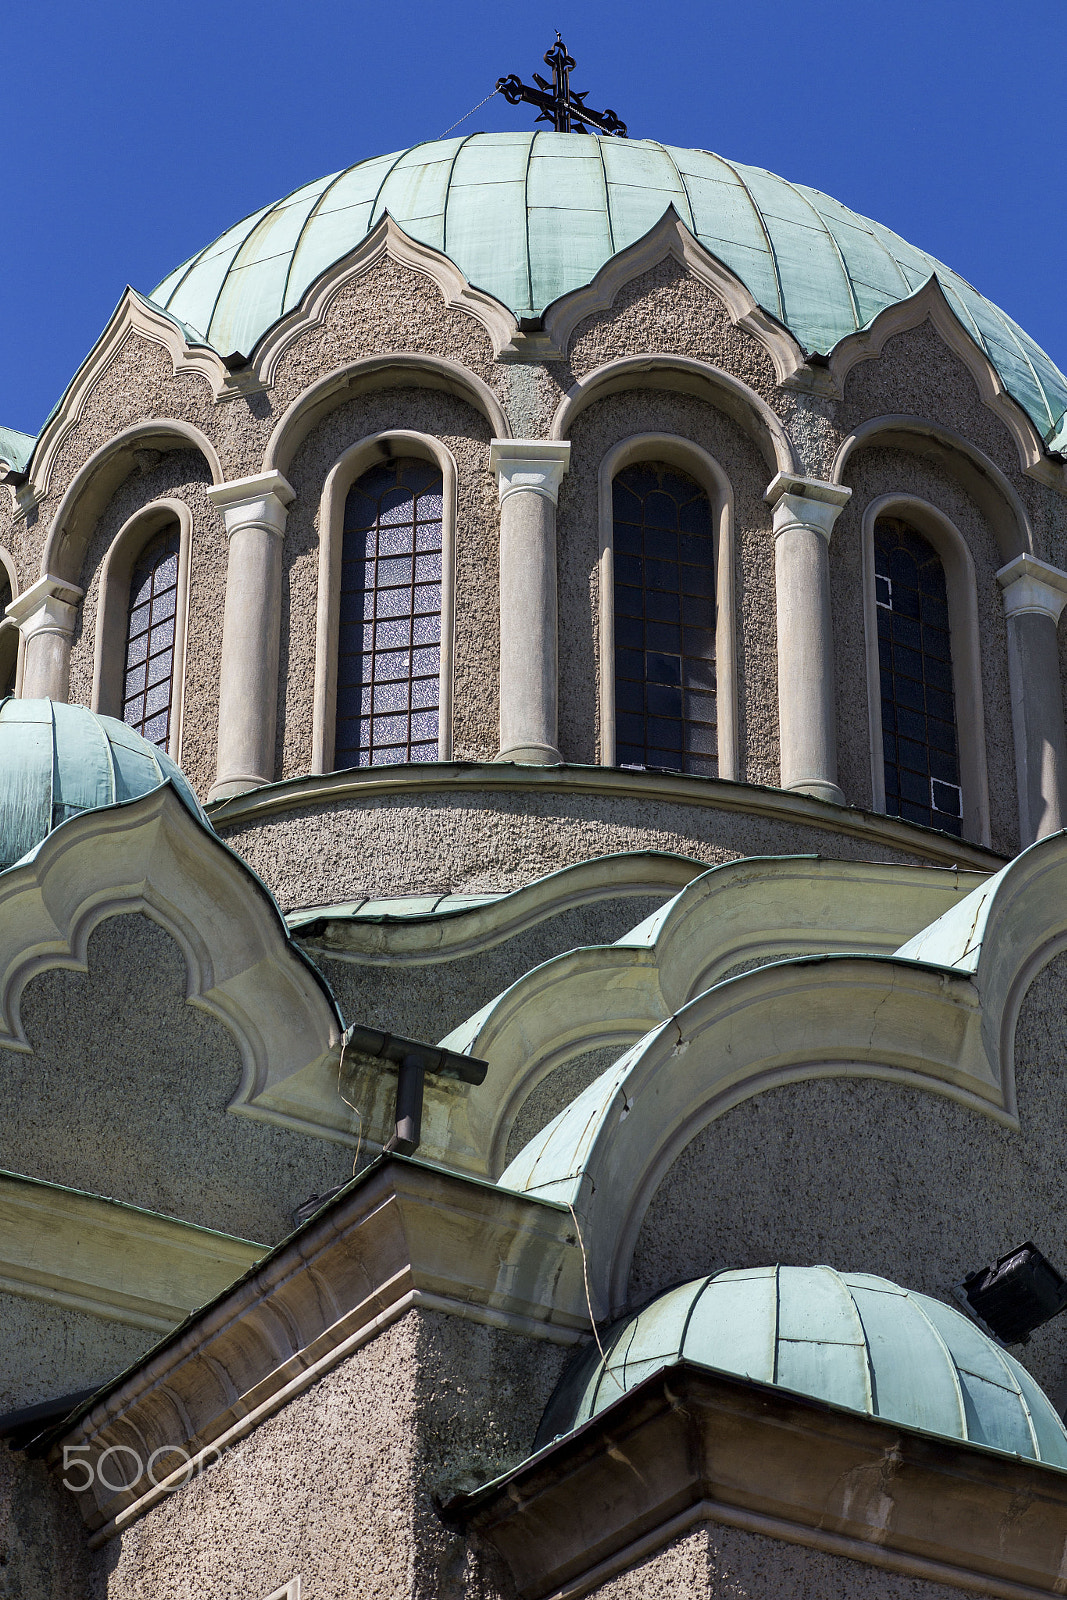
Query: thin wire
[[470, 113], [589, 1298], [348, 1102]]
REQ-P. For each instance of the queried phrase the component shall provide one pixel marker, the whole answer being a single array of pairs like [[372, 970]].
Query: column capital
[[529, 466], [47, 606], [805, 502], [259, 501], [1032, 586]]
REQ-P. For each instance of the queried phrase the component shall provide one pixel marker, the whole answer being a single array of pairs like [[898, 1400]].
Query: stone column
[[528, 473], [1034, 596], [255, 511], [46, 613], [805, 510]]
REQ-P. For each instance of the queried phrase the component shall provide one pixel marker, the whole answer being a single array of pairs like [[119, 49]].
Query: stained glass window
[[664, 567], [920, 745], [148, 684], [389, 643]]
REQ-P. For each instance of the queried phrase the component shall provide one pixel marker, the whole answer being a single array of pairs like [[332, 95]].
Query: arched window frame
[[706, 471], [356, 460], [109, 666], [961, 586], [10, 633]]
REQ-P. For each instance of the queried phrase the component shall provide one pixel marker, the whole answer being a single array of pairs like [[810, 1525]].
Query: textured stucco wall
[[43, 1554], [126, 1090], [867, 1176], [339, 1487], [562, 1085]]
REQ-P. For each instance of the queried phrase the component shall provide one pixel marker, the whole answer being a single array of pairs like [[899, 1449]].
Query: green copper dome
[[528, 217], [57, 760], [845, 1337]]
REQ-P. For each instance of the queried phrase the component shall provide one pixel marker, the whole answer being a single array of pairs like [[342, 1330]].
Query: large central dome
[[528, 217]]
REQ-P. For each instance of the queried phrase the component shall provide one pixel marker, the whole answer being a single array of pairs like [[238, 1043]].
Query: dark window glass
[[922, 770], [148, 684], [389, 640], [664, 566]]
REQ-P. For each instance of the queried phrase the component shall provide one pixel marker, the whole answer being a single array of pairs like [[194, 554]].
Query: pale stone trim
[[109, 661], [112, 1260], [399, 369], [370, 784], [288, 1591], [713, 480], [152, 856], [980, 476], [688, 376], [349, 466], [528, 474], [671, 239], [387, 241], [1033, 586], [961, 583], [10, 633], [46, 614], [929, 304], [134, 317], [406, 1236], [1034, 596]]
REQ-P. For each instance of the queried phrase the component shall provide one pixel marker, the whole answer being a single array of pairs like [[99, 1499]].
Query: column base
[[819, 789], [532, 755], [227, 788]]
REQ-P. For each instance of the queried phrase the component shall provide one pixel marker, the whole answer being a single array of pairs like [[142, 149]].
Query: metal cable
[[470, 113]]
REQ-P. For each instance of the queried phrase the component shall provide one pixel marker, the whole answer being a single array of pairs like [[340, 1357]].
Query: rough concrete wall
[[872, 473], [52, 1350], [426, 1000], [43, 1554], [868, 1176], [597, 431], [468, 843], [714, 1562], [126, 1090], [466, 433], [340, 1486], [548, 1099]]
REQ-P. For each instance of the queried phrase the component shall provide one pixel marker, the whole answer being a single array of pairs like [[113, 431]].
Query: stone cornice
[[718, 1448], [401, 1236], [372, 784], [116, 1261]]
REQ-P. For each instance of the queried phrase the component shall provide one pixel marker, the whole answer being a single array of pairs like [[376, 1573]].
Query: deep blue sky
[[132, 136]]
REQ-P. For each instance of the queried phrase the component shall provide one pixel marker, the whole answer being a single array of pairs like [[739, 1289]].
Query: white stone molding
[[86, 1253], [405, 1237], [804, 512], [528, 474], [153, 856], [11, 652], [713, 480], [671, 239], [133, 318], [254, 510], [965, 635], [109, 660], [1034, 597], [979, 475], [929, 304], [349, 466], [401, 369], [387, 241], [288, 1591], [46, 614], [688, 376]]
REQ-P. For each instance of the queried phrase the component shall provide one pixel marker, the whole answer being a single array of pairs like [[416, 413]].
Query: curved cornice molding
[[979, 474], [402, 368], [929, 304], [690, 376], [670, 239], [152, 855]]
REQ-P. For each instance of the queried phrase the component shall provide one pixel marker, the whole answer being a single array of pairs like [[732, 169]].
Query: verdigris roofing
[[16, 448], [528, 217], [58, 760], [846, 1337]]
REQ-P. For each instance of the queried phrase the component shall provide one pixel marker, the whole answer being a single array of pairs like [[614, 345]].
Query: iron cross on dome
[[557, 102]]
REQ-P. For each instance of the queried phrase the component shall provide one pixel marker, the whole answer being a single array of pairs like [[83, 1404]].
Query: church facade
[[533, 906]]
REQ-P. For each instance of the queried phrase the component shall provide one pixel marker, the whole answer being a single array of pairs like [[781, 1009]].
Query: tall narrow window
[[148, 683], [664, 568], [389, 642], [9, 652], [921, 749]]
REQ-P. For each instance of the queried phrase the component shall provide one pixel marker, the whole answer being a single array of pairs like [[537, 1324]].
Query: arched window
[[918, 702], [151, 620], [664, 620], [9, 652], [389, 633]]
